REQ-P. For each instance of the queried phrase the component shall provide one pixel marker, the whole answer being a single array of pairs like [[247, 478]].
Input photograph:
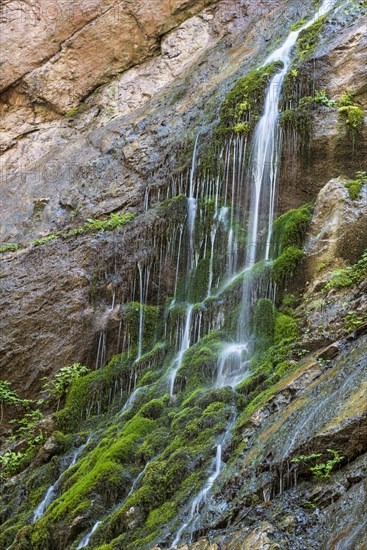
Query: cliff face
[[133, 135], [111, 115]]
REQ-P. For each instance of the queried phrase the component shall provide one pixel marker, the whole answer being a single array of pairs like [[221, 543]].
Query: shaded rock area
[[67, 291]]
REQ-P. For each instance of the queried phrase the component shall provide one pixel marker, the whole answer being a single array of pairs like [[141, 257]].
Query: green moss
[[298, 25], [309, 38], [263, 323], [199, 364], [285, 327], [284, 267], [91, 394], [300, 120], [161, 515], [243, 105], [199, 281], [72, 112], [153, 409], [290, 229]]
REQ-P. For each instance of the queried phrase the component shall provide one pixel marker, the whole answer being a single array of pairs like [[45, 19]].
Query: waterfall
[[260, 180]]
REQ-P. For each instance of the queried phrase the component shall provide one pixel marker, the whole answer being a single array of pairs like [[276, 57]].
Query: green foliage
[[90, 394], [355, 186], [72, 112], [353, 320], [298, 25], [114, 221], [60, 385], [284, 267], [9, 247], [290, 228], [322, 98], [43, 240], [10, 462], [347, 98], [308, 39], [8, 397], [242, 107], [320, 470], [349, 276], [353, 117]]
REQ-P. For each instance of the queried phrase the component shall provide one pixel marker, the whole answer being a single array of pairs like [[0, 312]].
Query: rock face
[[51, 314], [90, 43], [338, 229]]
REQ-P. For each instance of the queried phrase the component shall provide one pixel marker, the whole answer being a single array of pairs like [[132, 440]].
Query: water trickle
[[51, 491], [85, 540], [185, 344], [201, 497]]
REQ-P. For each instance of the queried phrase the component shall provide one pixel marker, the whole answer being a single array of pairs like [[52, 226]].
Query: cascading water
[[85, 540], [185, 344], [262, 179], [51, 491]]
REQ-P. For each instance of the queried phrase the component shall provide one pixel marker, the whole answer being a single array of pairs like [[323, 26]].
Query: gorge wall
[[102, 107]]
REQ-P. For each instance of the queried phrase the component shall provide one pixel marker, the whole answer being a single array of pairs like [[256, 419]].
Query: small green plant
[[347, 98], [72, 112], [322, 98], [323, 470], [352, 321], [59, 386], [10, 462], [355, 186], [9, 247], [348, 276], [8, 397], [319, 470], [351, 114], [43, 240]]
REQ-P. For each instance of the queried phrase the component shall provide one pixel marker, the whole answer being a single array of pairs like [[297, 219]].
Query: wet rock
[[330, 352]]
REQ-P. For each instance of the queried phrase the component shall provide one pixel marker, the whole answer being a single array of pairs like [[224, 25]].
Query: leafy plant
[[322, 98], [8, 397], [320, 470], [355, 186], [43, 240], [323, 470], [59, 386], [10, 462]]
